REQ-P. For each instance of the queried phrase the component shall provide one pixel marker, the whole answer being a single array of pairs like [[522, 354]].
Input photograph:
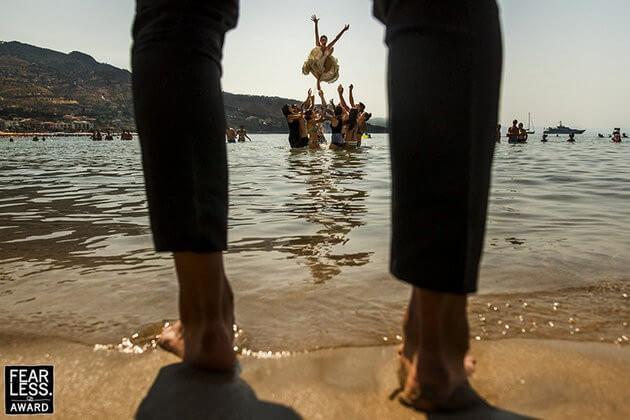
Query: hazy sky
[[564, 59]]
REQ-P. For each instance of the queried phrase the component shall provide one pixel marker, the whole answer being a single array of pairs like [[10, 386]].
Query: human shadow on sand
[[183, 392], [477, 409], [481, 411]]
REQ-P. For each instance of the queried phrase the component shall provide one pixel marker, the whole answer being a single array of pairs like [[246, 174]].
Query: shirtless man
[[230, 134], [298, 136], [242, 134], [522, 134], [512, 133]]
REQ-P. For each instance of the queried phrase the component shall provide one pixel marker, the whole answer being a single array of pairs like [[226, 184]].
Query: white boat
[[529, 124]]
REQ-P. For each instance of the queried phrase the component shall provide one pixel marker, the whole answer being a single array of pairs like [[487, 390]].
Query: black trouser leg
[[178, 102], [444, 90]]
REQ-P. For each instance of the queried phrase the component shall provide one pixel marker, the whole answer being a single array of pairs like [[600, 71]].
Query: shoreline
[[43, 133], [555, 314], [134, 133], [539, 378]]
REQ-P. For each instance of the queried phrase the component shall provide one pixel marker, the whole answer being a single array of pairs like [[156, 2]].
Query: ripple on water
[[309, 237]]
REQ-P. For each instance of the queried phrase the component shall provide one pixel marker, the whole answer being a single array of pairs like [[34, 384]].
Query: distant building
[[49, 126], [12, 124], [29, 124], [64, 126], [82, 126]]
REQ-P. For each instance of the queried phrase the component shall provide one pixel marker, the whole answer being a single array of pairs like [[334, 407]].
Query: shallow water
[[309, 237]]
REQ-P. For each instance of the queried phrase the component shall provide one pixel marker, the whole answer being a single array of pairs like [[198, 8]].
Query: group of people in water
[[232, 134], [98, 136], [517, 134], [348, 122], [616, 135]]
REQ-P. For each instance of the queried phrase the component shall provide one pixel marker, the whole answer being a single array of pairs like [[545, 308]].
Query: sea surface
[[308, 244]]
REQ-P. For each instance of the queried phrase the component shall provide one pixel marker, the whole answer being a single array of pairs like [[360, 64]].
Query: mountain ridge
[[42, 84]]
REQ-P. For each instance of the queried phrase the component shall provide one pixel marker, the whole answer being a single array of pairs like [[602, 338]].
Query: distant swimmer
[[522, 134], [616, 138], [512, 133], [320, 62], [544, 138], [571, 138], [11, 140], [498, 136], [242, 134], [230, 135]]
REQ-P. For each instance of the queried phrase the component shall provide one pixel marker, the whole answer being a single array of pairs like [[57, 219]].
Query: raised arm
[[321, 96], [316, 20], [312, 104], [345, 28], [342, 101], [308, 97], [326, 113], [350, 88]]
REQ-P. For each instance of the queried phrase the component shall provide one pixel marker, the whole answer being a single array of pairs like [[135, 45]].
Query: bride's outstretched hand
[[314, 18], [345, 28]]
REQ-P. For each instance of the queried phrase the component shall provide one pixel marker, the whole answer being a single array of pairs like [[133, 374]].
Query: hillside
[[47, 85]]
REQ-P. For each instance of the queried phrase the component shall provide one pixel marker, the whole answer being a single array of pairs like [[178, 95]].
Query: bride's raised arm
[[345, 28], [315, 19]]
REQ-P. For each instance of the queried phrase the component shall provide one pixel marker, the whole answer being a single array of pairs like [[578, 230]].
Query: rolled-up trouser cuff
[[180, 117], [443, 96]]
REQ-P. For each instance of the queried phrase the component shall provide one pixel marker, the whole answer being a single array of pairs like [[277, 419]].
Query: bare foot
[[405, 364], [433, 362], [172, 340], [204, 336], [208, 347]]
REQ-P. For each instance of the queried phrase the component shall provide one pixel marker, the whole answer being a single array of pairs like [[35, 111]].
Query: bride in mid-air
[[320, 62]]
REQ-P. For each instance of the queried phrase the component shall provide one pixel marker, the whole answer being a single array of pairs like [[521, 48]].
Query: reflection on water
[[308, 234], [328, 195], [334, 202]]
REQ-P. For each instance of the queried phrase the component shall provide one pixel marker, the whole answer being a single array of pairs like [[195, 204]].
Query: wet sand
[[538, 378]]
